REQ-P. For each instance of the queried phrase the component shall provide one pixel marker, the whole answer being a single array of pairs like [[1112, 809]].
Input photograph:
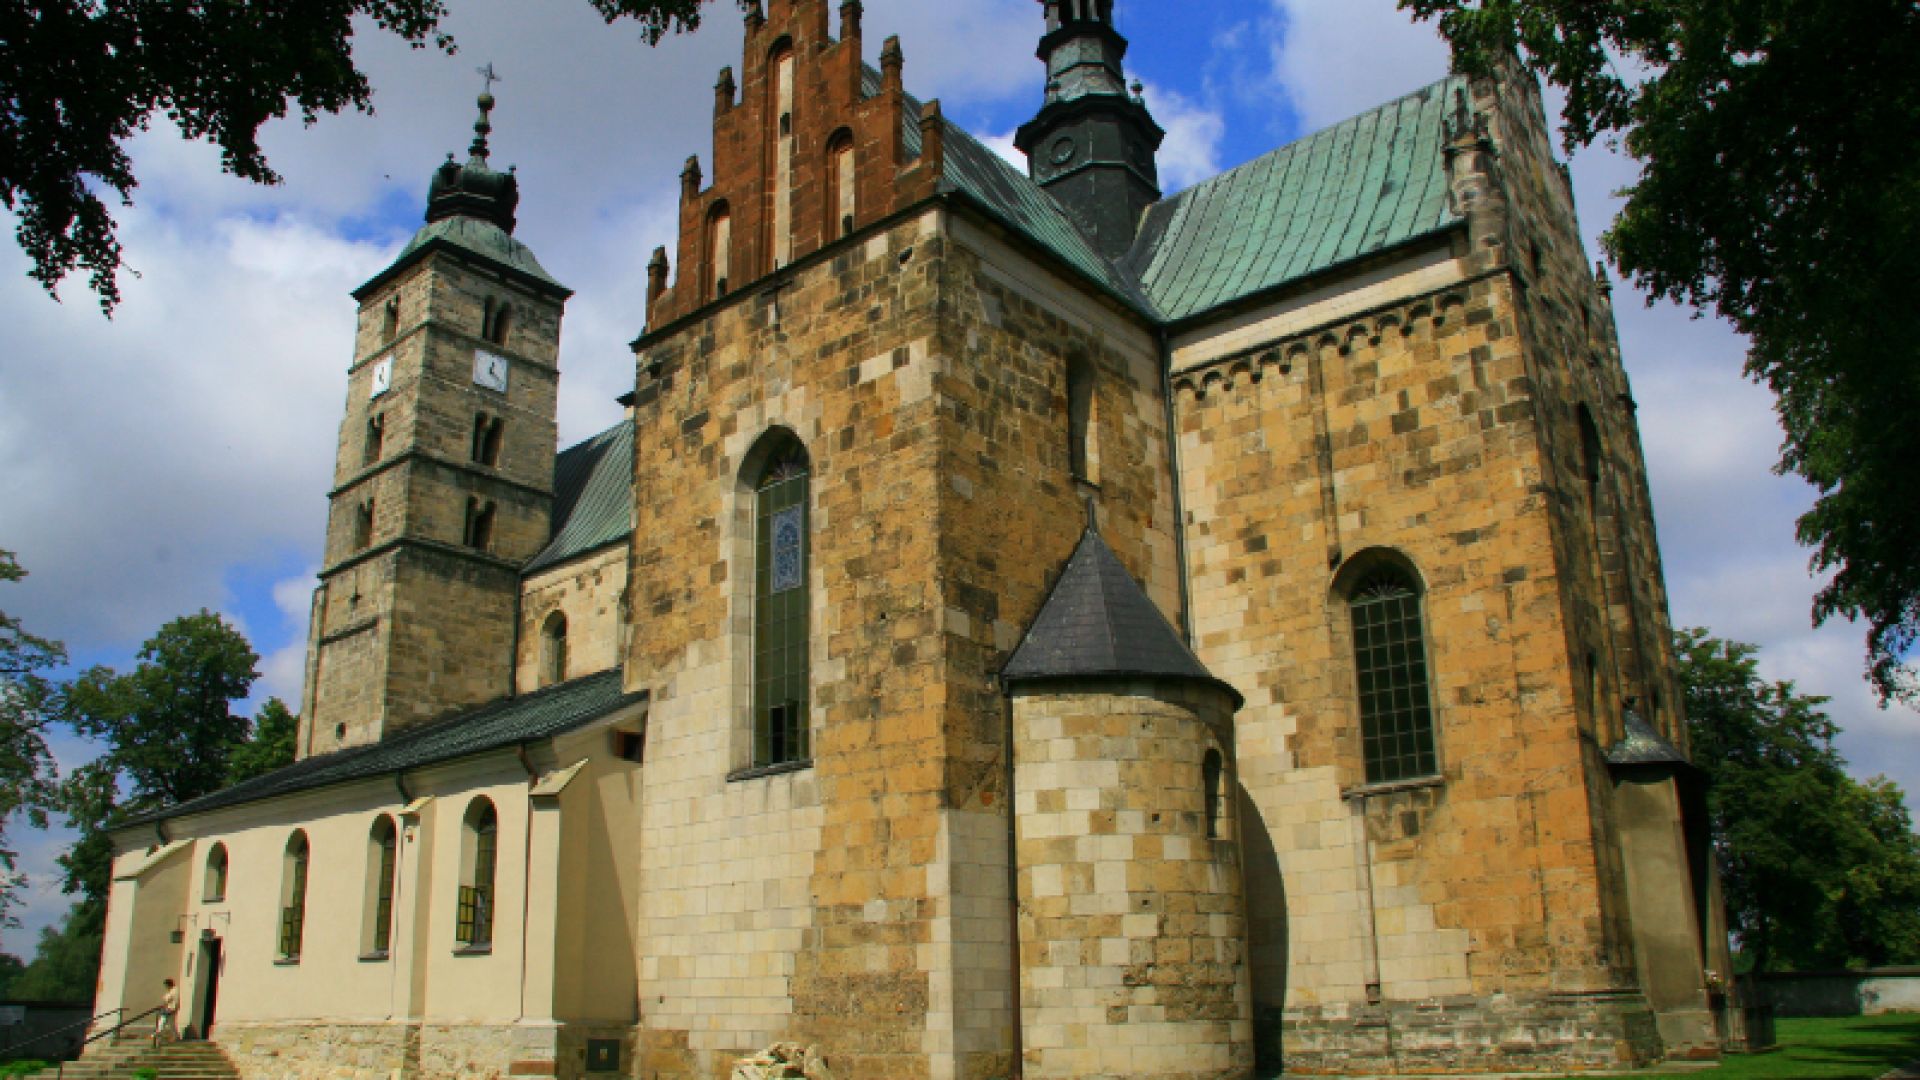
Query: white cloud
[[1191, 152], [1336, 58]]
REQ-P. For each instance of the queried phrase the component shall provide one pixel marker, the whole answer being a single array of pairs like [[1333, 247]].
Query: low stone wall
[[409, 1051], [1544, 1033], [42, 1029], [1841, 993]]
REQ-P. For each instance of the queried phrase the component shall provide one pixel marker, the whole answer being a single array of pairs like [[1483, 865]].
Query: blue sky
[[178, 457]]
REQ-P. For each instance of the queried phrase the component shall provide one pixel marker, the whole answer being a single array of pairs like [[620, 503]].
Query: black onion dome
[[476, 189]]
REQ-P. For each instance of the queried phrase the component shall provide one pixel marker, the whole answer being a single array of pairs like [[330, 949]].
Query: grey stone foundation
[[1559, 1032], [298, 1050]]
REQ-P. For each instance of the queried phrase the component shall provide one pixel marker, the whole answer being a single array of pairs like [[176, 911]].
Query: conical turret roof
[[1097, 623]]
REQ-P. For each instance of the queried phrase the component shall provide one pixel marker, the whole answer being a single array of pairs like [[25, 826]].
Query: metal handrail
[[45, 1035], [61, 1072]]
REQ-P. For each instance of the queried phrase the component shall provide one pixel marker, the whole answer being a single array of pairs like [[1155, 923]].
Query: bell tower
[[443, 476], [1092, 145]]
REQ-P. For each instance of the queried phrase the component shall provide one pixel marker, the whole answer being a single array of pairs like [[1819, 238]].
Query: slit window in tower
[[390, 321], [780, 674], [1212, 769], [479, 524], [376, 437], [363, 526], [1390, 661], [1083, 422], [488, 433]]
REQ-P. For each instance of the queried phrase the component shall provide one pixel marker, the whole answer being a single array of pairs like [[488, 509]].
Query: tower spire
[[476, 189], [1093, 143]]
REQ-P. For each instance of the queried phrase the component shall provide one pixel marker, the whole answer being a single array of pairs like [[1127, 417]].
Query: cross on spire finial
[[483, 127], [487, 74]]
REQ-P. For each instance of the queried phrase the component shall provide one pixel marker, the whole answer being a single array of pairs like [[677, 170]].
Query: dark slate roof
[[1367, 184], [533, 717], [592, 496], [1097, 623], [1640, 744]]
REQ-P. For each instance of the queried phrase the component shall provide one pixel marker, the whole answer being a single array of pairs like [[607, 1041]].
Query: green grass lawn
[[1860, 1047]]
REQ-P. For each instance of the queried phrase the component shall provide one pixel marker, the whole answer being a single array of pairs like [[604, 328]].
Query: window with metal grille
[[473, 923], [1390, 661], [780, 609], [293, 898], [384, 858]]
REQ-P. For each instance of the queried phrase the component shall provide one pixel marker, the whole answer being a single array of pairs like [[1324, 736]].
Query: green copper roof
[[1362, 186], [592, 496], [507, 722], [475, 237]]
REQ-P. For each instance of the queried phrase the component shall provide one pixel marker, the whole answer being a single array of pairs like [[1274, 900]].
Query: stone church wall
[[589, 593]]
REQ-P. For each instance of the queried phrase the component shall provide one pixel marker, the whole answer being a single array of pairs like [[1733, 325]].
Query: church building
[[1026, 624]]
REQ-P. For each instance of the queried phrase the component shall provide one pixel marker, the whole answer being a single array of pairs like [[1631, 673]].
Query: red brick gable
[[828, 106]]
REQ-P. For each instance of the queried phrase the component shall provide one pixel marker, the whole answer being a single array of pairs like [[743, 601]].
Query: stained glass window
[[1390, 660], [780, 609]]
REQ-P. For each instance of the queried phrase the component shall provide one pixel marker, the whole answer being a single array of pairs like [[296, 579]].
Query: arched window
[[842, 197], [1083, 422], [719, 250], [1390, 664], [781, 552], [383, 851], [479, 850], [213, 884], [293, 897], [390, 322], [502, 324], [1212, 773], [363, 526], [553, 650]]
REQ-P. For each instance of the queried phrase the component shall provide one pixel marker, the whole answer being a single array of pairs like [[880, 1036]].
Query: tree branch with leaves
[[1778, 189]]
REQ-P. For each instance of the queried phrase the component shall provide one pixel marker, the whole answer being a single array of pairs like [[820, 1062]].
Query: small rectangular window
[[376, 438]]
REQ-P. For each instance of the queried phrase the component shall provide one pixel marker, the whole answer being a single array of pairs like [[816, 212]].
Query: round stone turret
[[1132, 916]]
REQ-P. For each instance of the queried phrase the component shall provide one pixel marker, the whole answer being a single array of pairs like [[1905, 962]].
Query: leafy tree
[[1778, 188], [1818, 869], [78, 78], [169, 724], [269, 747], [26, 769], [66, 964], [10, 969]]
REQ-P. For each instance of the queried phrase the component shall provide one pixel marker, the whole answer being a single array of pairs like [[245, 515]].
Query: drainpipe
[[1018, 1068], [1179, 503]]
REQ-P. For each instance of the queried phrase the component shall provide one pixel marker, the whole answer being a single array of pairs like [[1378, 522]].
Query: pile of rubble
[[783, 1061]]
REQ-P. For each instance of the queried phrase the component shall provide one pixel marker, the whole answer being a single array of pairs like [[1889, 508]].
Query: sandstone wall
[[589, 592]]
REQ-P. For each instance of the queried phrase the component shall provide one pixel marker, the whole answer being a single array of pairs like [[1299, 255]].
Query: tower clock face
[[489, 370], [382, 377]]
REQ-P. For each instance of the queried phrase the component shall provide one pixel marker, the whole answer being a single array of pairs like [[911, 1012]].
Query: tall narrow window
[[479, 533], [780, 693], [473, 923], [1390, 660], [488, 433], [781, 184], [1083, 422], [502, 324], [293, 898], [1212, 774], [719, 250], [553, 650], [376, 437], [841, 187], [383, 848], [363, 526], [213, 887], [1591, 455], [390, 320]]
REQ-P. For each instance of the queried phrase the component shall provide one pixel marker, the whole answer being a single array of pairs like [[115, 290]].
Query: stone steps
[[175, 1061]]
